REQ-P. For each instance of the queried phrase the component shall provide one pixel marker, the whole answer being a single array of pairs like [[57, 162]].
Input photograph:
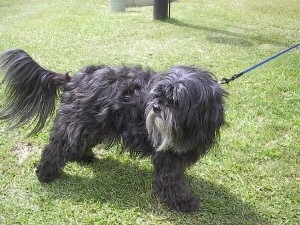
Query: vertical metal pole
[[169, 8], [160, 9]]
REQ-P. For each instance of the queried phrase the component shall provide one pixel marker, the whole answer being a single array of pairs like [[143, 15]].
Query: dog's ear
[[213, 113], [205, 117], [201, 108]]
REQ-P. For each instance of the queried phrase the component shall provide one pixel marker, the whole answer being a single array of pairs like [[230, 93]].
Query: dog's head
[[185, 110]]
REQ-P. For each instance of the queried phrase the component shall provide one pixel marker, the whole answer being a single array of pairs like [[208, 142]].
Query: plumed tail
[[30, 92]]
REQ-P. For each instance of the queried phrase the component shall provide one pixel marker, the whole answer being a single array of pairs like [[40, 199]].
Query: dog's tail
[[30, 92]]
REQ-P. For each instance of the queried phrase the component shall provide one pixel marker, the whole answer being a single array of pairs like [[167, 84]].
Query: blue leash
[[227, 80]]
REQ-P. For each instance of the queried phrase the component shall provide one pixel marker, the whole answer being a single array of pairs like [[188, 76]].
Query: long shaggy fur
[[31, 90], [174, 116]]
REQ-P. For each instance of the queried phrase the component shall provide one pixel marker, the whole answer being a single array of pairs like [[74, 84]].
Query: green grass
[[252, 177]]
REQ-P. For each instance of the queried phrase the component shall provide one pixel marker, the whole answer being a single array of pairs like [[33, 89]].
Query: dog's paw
[[88, 158], [189, 204], [46, 174]]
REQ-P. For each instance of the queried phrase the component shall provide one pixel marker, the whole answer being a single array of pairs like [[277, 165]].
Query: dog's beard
[[160, 129]]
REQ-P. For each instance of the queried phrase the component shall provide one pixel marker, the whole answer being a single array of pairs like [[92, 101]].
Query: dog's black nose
[[156, 108]]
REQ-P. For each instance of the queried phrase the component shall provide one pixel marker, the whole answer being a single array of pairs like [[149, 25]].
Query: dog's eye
[[126, 98]]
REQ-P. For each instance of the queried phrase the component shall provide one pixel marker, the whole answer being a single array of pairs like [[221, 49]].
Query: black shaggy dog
[[174, 116]]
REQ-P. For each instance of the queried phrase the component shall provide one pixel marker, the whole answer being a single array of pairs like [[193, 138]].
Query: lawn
[[251, 177]]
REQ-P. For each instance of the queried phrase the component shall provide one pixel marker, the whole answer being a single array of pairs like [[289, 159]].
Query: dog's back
[[111, 102]]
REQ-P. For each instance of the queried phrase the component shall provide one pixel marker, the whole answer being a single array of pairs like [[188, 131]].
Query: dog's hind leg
[[51, 163], [170, 183], [71, 140], [87, 156], [57, 153]]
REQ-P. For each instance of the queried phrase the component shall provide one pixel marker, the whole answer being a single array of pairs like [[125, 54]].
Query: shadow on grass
[[126, 186], [227, 37]]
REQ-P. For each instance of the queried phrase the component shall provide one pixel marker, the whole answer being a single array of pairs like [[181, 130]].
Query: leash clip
[[224, 81]]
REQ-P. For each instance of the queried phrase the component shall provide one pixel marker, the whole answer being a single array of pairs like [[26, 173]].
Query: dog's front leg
[[170, 183]]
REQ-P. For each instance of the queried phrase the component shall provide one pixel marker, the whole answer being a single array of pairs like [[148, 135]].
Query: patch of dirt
[[22, 150]]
